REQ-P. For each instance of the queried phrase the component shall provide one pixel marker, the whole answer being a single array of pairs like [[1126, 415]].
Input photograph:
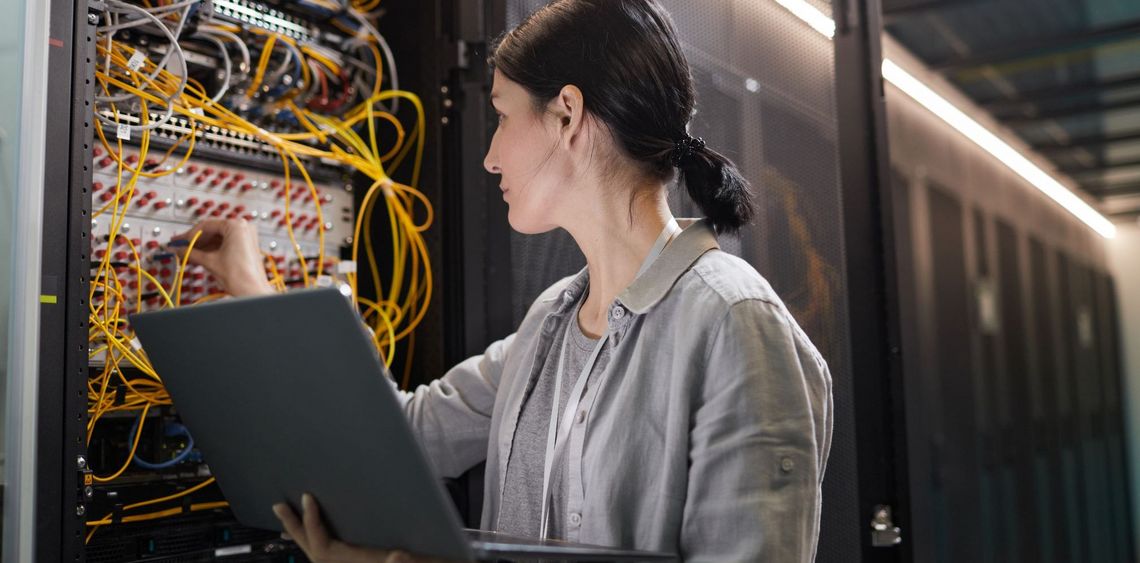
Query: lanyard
[[558, 430]]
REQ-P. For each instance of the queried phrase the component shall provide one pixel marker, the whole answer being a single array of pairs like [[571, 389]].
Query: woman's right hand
[[228, 249], [310, 534]]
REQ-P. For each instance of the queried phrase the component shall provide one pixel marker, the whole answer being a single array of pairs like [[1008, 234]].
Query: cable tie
[[346, 267]]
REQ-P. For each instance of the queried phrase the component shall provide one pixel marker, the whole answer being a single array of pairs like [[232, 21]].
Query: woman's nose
[[491, 166], [491, 161]]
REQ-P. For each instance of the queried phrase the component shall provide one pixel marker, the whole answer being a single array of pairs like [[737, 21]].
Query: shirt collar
[[649, 288], [697, 238]]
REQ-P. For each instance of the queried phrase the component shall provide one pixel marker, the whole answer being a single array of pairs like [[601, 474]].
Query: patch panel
[[263, 16], [226, 143], [167, 205]]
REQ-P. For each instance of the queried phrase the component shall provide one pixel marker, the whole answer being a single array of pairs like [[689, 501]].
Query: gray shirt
[[706, 434], [521, 513]]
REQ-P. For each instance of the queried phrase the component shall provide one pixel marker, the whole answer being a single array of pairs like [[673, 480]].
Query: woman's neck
[[615, 240]]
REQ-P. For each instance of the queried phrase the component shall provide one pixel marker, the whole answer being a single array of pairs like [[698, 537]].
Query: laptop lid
[[284, 395]]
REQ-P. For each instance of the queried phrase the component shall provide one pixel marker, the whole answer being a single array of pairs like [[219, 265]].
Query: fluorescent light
[[810, 15], [966, 125], [992, 144]]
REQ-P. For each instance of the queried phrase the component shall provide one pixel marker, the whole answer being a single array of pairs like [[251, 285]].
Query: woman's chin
[[526, 225]]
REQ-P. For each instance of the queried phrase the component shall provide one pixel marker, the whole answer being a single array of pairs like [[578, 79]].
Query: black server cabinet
[[1013, 409], [956, 441], [1049, 472], [61, 464]]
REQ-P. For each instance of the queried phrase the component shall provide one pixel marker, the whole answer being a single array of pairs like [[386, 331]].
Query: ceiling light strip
[[964, 124], [810, 15]]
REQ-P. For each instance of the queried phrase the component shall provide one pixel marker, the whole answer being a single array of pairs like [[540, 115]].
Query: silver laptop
[[285, 394]]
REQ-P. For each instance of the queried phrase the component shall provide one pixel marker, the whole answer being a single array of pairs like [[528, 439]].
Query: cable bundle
[[307, 103]]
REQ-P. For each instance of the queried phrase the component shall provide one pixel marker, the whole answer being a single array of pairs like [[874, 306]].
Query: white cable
[[391, 60], [227, 65], [245, 59], [296, 55], [326, 52], [181, 59], [314, 84], [171, 36], [159, 10], [107, 62], [276, 75], [365, 70]]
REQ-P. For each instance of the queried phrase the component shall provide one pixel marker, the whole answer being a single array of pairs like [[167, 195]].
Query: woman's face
[[525, 154]]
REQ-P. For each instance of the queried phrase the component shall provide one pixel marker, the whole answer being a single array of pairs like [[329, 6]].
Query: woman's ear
[[569, 108]]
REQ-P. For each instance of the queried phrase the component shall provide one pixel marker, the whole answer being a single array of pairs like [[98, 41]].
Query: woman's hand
[[310, 534], [229, 250]]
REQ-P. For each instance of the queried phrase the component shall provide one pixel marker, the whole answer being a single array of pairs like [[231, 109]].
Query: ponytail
[[714, 184]]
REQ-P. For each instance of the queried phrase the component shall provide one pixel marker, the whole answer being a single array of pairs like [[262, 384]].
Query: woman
[[663, 398]]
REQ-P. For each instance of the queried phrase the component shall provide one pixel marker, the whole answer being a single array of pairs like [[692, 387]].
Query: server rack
[[1013, 388]]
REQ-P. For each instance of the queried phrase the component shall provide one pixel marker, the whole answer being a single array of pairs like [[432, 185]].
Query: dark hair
[[625, 57]]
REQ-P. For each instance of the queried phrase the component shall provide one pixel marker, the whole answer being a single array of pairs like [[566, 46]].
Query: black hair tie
[[684, 148]]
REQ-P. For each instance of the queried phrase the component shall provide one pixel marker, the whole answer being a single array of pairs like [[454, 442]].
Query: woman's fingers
[[213, 233], [315, 532], [293, 525], [228, 248], [310, 534], [210, 236]]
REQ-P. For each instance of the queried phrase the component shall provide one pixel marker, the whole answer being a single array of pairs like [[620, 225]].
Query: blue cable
[[172, 429]]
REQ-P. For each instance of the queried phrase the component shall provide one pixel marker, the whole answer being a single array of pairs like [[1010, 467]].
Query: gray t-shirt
[[522, 497]]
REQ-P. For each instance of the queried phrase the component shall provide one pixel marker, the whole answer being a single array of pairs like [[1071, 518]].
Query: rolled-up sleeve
[[761, 430], [451, 416]]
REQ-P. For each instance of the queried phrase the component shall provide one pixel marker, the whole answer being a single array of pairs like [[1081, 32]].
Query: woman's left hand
[[310, 534]]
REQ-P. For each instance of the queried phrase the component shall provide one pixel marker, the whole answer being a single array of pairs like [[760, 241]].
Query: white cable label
[[123, 132], [233, 550], [346, 267], [197, 111], [136, 60], [324, 281], [136, 344]]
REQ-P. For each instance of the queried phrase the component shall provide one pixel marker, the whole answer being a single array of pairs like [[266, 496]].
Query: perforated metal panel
[[765, 98]]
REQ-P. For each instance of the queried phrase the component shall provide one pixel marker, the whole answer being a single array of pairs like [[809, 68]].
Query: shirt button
[[581, 417], [787, 465], [575, 518], [619, 312]]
